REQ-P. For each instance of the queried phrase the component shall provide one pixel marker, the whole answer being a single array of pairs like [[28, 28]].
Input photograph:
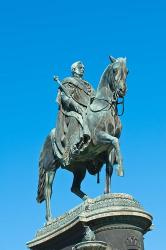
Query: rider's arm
[[68, 102], [93, 92]]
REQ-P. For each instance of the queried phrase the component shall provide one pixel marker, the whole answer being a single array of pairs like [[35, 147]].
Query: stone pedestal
[[90, 245], [110, 221]]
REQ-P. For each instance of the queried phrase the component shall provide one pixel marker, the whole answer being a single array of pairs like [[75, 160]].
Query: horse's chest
[[112, 125], [118, 126]]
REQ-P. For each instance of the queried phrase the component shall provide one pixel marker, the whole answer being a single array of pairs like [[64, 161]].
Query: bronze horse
[[105, 127]]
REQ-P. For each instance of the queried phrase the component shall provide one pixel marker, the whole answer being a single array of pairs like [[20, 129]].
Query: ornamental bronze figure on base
[[87, 131]]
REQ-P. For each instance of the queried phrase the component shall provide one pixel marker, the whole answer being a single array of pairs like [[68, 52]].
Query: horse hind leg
[[48, 192], [76, 185]]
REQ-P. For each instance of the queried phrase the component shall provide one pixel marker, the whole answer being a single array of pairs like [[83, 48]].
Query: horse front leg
[[48, 192], [104, 138]]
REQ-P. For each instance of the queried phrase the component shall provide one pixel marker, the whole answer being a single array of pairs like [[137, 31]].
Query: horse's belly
[[91, 152]]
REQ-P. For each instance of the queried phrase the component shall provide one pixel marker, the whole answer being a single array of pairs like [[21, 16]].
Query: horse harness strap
[[108, 105], [122, 102]]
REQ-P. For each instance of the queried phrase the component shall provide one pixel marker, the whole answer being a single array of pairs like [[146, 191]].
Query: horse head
[[113, 80], [117, 74]]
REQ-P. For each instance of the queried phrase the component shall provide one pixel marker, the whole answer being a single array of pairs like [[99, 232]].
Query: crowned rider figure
[[72, 135]]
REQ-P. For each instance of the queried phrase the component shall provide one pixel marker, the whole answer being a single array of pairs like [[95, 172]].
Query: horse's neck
[[104, 91]]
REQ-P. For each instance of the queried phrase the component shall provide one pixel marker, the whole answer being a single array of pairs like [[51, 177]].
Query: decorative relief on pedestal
[[91, 245], [118, 226], [100, 206], [89, 234], [133, 243]]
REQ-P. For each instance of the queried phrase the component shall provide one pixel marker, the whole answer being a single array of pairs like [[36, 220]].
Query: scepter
[[56, 79]]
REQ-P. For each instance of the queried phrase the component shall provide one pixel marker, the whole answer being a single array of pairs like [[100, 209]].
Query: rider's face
[[79, 70]]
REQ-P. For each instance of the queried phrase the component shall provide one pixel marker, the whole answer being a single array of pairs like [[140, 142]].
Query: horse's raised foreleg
[[48, 192], [104, 138], [76, 185]]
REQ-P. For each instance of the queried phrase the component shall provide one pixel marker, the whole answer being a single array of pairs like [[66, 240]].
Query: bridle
[[123, 108], [110, 103], [116, 96], [114, 102]]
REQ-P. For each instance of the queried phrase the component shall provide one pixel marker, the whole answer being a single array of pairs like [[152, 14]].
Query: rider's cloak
[[72, 134]]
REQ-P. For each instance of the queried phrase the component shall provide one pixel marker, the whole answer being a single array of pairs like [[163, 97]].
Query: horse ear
[[112, 59]]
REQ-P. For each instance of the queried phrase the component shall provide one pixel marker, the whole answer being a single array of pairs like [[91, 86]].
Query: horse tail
[[46, 163], [41, 183]]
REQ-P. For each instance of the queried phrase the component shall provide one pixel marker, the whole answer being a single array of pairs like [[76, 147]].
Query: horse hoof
[[120, 171], [49, 221], [85, 197]]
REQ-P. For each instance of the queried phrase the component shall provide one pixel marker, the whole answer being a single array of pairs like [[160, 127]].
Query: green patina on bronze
[[87, 131]]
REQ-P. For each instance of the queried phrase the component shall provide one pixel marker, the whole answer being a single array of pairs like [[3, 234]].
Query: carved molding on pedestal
[[91, 245], [109, 212]]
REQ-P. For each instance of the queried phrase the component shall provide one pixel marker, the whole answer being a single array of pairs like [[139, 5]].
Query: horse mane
[[104, 87]]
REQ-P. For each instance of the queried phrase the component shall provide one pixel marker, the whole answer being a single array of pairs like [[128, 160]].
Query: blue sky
[[40, 39]]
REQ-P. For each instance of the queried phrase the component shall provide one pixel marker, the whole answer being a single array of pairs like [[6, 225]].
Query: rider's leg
[[72, 139]]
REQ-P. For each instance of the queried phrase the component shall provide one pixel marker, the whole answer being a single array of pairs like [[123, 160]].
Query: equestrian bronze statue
[[87, 130]]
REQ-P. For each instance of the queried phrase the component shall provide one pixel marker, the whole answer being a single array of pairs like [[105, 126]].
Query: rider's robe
[[72, 134]]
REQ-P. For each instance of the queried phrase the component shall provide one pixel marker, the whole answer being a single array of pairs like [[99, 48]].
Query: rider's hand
[[79, 110]]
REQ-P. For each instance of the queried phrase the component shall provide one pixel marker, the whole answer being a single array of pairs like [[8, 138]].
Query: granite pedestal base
[[111, 221]]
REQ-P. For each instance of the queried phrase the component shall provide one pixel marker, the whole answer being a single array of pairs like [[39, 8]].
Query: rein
[[114, 102], [110, 103], [119, 103], [103, 109]]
